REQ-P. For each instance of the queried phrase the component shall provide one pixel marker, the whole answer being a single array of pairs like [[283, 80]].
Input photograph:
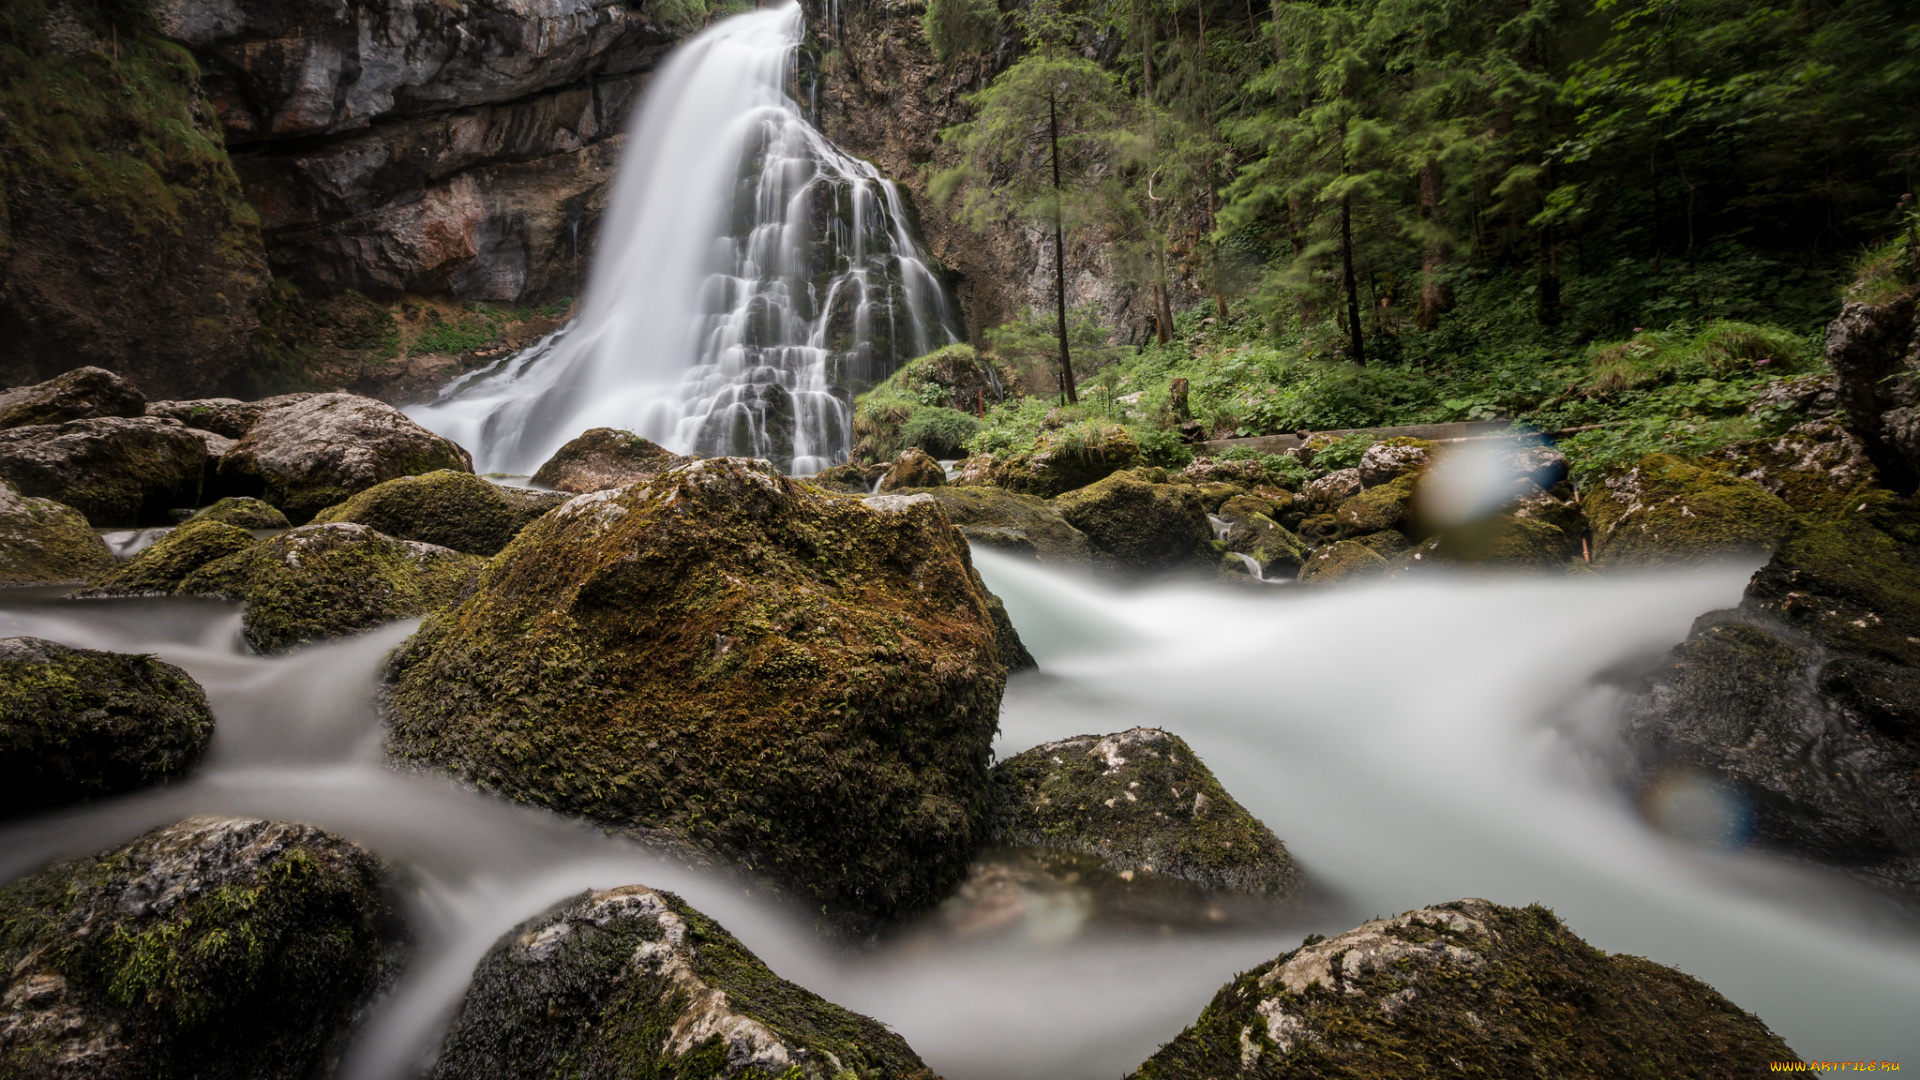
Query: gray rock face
[[78, 724], [45, 543], [319, 451], [604, 458], [229, 417], [914, 468], [80, 394], [117, 471], [234, 948], [1009, 521], [1874, 351], [633, 982]]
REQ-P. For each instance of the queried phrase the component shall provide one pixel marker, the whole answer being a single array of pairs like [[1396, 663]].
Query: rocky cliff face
[[396, 146], [881, 95]]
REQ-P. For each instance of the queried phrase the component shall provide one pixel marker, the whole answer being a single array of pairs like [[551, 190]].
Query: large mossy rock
[[162, 567], [805, 683], [1802, 706], [229, 417], [1817, 466], [229, 948], [1347, 560], [455, 510], [1510, 990], [1025, 524], [604, 458], [78, 724], [1667, 509], [45, 543], [914, 468], [325, 581], [245, 513], [80, 394], [1386, 505], [1056, 465], [1142, 803], [323, 449], [1137, 525], [632, 982], [119, 472]]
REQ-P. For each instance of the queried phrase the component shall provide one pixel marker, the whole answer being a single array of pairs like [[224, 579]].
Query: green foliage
[[940, 431], [1342, 453], [960, 27]]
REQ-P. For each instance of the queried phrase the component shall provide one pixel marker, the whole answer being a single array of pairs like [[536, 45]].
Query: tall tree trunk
[[1353, 289], [1162, 311], [1059, 257], [1295, 220], [1435, 297]]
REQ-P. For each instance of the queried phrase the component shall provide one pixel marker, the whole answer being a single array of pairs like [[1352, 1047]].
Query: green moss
[[1142, 803], [323, 581], [1279, 552], [1006, 519], [45, 543], [1342, 561], [1384, 506], [1137, 525], [1669, 509], [244, 513], [802, 683], [78, 724], [1505, 541], [162, 567], [455, 510], [270, 937], [1510, 990], [563, 995]]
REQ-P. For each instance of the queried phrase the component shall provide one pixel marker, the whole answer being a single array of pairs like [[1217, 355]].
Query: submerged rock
[[807, 684], [324, 581], [80, 394], [633, 982], [1019, 523], [116, 471], [1510, 990], [914, 468], [45, 543], [604, 458], [1137, 525], [1142, 803], [162, 567], [217, 947], [455, 510], [323, 449], [1667, 509], [78, 724], [244, 513]]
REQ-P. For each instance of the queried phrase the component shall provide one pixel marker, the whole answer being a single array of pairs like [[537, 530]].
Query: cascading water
[[749, 277]]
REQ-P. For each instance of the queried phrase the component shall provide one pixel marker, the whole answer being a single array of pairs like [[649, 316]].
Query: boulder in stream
[[1022, 524], [1667, 509], [1136, 524], [633, 982], [80, 394], [1142, 803], [1057, 464], [163, 567], [1345, 561], [217, 947], [456, 510], [45, 543], [326, 581], [244, 513], [914, 468], [807, 684], [1510, 991], [115, 470], [79, 724], [323, 449], [229, 417], [604, 458]]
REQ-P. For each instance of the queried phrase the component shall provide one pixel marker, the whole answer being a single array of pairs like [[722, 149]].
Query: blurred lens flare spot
[[1469, 480], [1696, 807]]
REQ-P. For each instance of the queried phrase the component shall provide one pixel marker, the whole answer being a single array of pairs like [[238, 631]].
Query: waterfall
[[749, 278]]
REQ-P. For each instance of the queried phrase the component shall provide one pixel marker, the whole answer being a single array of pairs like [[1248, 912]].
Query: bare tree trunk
[[1353, 288], [1162, 311], [1435, 297], [1059, 257]]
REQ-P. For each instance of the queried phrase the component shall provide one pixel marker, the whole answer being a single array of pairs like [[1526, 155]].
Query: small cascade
[[1221, 526], [750, 279], [1253, 566]]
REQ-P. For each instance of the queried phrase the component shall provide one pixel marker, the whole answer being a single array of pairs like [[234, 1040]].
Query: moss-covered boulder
[[244, 513], [116, 471], [1212, 470], [1059, 462], [1391, 459], [230, 417], [45, 543], [1009, 521], [1800, 710], [805, 683], [914, 468], [852, 477], [455, 510], [1142, 803], [1667, 509], [1329, 491], [1278, 552], [80, 394], [632, 982], [325, 581], [1387, 505], [78, 724], [1817, 466], [323, 449], [1346, 560], [1135, 525], [162, 567], [1504, 541], [217, 947], [1510, 990], [604, 458]]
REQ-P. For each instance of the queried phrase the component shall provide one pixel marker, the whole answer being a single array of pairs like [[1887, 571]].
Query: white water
[[1412, 742], [748, 276]]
